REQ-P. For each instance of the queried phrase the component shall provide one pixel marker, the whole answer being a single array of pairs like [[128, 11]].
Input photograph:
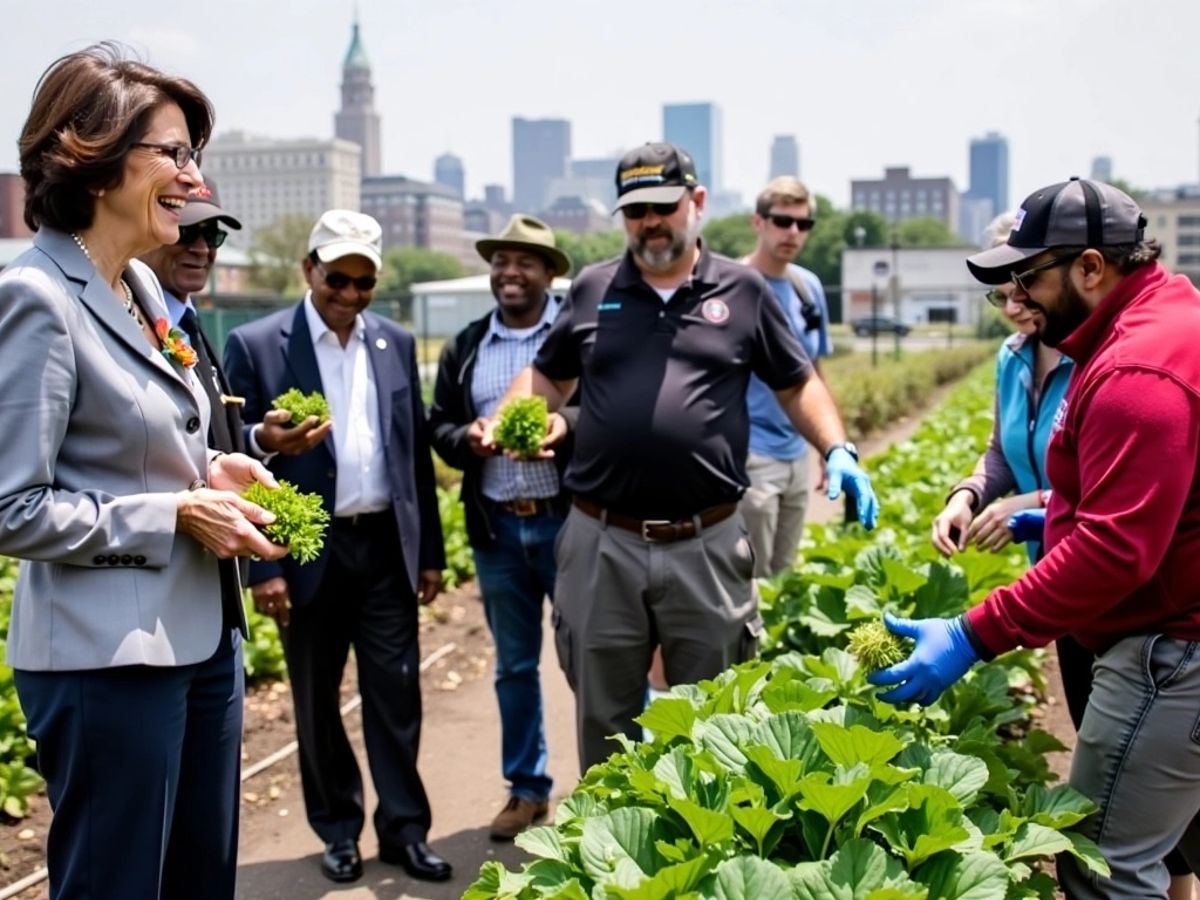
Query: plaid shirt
[[502, 353]]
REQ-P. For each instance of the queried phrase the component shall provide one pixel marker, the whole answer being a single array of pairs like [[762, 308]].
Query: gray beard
[[663, 260]]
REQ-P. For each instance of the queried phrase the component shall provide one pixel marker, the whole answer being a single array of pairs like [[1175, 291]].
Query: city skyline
[[866, 98]]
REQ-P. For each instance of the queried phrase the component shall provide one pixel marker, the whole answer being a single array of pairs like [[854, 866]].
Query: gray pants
[[773, 507], [618, 596], [1138, 758]]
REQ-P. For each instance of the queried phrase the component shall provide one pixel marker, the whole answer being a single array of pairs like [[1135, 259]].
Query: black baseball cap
[[204, 204], [654, 173], [1075, 213]]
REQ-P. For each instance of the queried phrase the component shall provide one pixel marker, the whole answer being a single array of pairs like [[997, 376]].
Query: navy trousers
[[142, 765]]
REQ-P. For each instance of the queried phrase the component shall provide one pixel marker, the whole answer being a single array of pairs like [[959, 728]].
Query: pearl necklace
[[130, 306]]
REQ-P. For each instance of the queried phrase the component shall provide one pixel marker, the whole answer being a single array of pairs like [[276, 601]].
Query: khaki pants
[[618, 596], [773, 507]]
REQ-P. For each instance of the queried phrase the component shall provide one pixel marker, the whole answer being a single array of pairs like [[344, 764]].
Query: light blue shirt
[[771, 432], [176, 307]]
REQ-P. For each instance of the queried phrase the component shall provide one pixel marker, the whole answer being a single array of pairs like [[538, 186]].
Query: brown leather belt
[[535, 506], [657, 531]]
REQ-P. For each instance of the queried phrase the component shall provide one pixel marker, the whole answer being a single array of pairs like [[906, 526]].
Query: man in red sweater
[[1121, 572]]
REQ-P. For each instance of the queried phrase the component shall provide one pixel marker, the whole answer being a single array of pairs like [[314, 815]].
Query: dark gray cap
[[1075, 213], [204, 204]]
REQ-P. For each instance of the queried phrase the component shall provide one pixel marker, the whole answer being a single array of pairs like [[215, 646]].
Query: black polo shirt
[[663, 428]]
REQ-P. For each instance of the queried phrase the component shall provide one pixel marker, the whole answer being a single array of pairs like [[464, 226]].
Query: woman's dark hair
[[88, 109]]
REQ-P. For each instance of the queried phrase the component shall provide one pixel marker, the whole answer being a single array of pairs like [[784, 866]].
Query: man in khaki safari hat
[[513, 508]]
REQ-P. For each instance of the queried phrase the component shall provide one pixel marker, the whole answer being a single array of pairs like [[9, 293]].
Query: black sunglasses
[[1024, 281], [178, 153], [639, 210], [213, 235], [802, 223], [338, 281]]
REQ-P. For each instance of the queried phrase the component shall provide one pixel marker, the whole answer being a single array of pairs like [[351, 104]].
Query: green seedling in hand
[[522, 426], [300, 519], [302, 405]]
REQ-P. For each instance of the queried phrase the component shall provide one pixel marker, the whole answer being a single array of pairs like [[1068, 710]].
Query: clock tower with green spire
[[357, 120]]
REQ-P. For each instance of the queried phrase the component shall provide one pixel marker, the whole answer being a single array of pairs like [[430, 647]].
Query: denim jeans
[[1138, 758], [514, 574]]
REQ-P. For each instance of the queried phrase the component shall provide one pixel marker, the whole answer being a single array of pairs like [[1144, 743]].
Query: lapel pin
[[230, 400], [381, 343]]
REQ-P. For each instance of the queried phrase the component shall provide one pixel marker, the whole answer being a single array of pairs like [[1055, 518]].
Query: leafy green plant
[[262, 652], [300, 519], [460, 562], [302, 405], [522, 425], [18, 782]]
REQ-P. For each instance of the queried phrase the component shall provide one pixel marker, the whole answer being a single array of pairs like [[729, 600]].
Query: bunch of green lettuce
[[522, 425], [300, 519], [302, 405]]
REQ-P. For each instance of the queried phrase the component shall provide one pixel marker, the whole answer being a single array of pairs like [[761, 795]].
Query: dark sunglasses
[[785, 222], [639, 210], [178, 153], [213, 236], [338, 281], [1025, 280]]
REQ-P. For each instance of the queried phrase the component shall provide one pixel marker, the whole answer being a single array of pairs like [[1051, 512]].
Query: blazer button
[[193, 425], [332, 473], [114, 560], [197, 484], [99, 560], [126, 560], [139, 560]]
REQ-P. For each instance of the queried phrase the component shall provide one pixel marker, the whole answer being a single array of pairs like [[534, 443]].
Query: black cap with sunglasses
[[1078, 214], [202, 217], [653, 176]]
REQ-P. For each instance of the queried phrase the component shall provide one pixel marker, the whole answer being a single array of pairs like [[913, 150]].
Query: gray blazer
[[97, 432]]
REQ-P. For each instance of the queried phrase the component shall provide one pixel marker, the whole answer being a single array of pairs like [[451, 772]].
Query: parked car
[[865, 326]]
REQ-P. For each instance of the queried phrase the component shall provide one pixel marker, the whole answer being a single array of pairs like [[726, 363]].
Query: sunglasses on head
[[802, 223], [213, 236], [338, 281]]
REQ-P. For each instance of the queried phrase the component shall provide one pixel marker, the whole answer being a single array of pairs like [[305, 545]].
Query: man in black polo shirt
[[663, 341]]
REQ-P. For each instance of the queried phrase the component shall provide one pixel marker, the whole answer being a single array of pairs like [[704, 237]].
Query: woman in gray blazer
[[127, 662]]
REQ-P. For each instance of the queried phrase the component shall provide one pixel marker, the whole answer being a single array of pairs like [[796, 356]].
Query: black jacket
[[453, 411]]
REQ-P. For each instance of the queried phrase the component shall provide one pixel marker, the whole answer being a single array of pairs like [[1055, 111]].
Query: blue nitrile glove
[[841, 468], [942, 656], [1027, 525]]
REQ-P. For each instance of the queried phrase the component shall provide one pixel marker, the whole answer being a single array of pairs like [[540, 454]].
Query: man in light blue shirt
[[773, 506]]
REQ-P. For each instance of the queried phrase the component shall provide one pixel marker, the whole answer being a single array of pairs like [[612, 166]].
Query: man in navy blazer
[[372, 467]]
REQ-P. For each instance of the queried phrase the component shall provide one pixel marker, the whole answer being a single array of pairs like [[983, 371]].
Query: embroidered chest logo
[[1060, 417], [715, 311]]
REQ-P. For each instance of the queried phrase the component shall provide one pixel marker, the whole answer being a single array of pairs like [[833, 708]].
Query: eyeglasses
[[177, 153], [338, 281], [782, 222], [998, 298], [639, 210], [1025, 280], [213, 236]]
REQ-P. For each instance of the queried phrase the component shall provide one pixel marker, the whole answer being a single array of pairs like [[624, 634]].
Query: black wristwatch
[[848, 446]]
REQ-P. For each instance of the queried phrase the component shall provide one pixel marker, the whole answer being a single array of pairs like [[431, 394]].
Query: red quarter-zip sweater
[[1123, 525]]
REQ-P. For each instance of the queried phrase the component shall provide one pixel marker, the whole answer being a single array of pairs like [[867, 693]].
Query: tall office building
[[357, 120], [785, 156], [448, 171], [696, 127], [541, 150], [263, 179], [989, 170], [899, 196], [1102, 168], [415, 213]]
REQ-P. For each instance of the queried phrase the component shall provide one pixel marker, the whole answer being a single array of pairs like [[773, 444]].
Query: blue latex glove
[[942, 656], [841, 468], [1027, 525]]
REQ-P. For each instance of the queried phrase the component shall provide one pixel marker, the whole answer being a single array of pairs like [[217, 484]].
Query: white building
[[262, 179], [444, 308], [933, 284]]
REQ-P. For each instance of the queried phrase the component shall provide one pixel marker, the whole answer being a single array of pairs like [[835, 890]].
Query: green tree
[[405, 266], [926, 231], [731, 236], [276, 252], [585, 249]]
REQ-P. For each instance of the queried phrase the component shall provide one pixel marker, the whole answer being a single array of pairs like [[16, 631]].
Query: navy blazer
[[270, 355]]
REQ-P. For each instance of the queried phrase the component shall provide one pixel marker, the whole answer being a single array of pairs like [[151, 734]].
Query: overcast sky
[[861, 83]]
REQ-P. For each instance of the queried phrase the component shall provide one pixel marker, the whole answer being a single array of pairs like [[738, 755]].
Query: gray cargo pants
[[1138, 758], [617, 596]]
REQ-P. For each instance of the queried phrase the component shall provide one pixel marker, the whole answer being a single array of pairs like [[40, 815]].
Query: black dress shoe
[[418, 860], [341, 862]]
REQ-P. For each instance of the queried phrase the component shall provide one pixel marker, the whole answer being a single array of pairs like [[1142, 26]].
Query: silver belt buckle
[[647, 524]]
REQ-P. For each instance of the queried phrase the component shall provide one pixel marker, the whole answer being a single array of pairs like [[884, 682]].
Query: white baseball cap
[[342, 232]]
